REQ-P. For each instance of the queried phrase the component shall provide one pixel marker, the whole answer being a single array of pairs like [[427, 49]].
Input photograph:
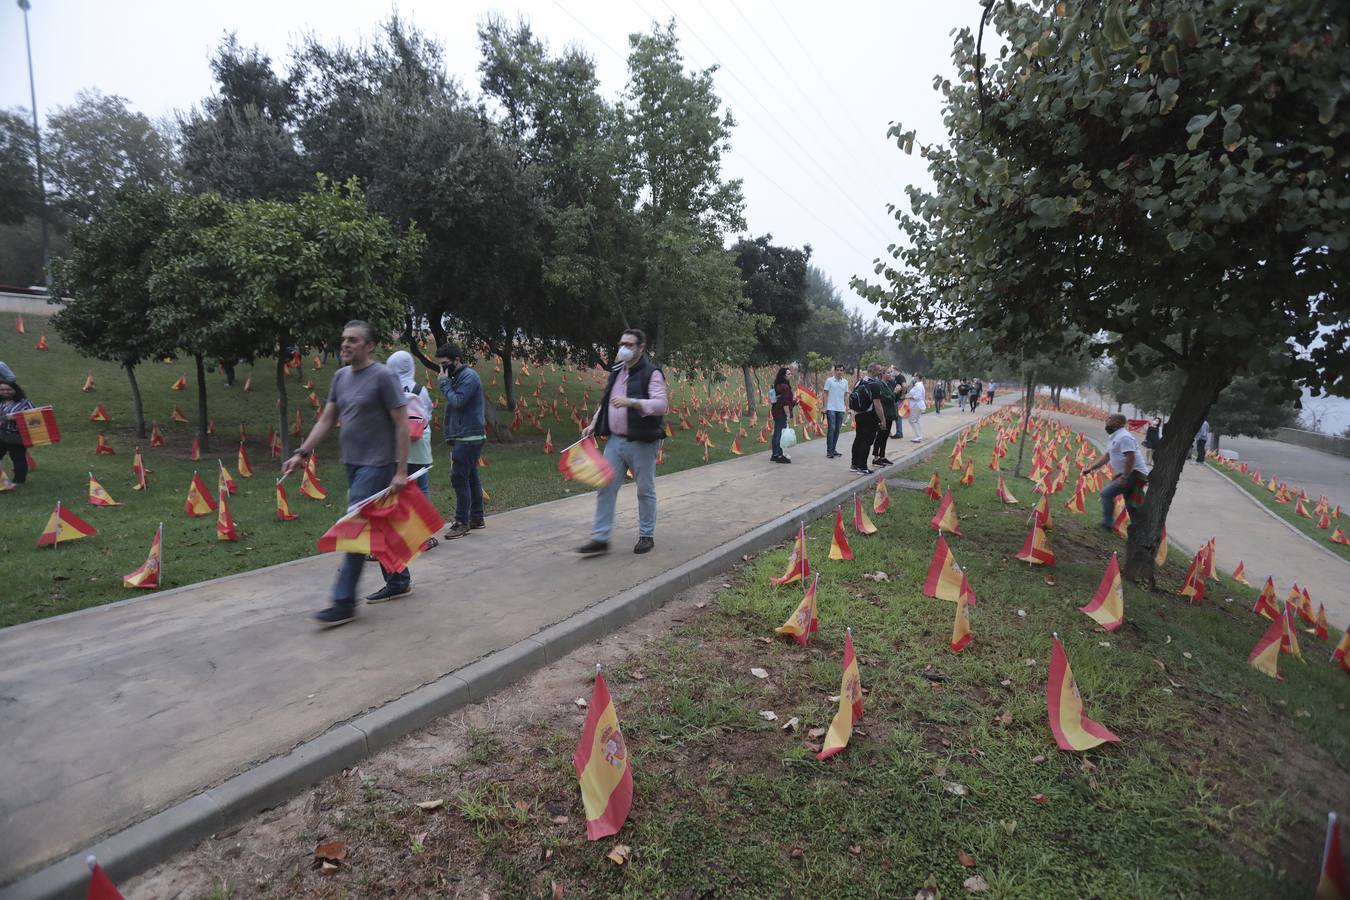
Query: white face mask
[[624, 355]]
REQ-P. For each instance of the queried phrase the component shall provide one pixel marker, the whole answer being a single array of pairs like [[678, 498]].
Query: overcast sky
[[812, 85]]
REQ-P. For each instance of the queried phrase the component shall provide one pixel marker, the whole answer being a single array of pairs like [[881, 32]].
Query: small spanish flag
[[968, 478], [1004, 494], [1266, 654], [1305, 609], [248, 384], [37, 426], [1194, 584], [548, 442], [156, 436], [1265, 604], [1289, 640], [945, 518], [310, 486], [224, 521], [100, 885], [1299, 509], [1041, 511], [839, 548], [99, 414], [961, 624], [245, 470], [147, 575], [934, 490], [97, 495], [1240, 573], [196, 448], [199, 501], [736, 447], [944, 576], [1078, 502], [1333, 884], [881, 501], [179, 384], [584, 462], [177, 416], [42, 343], [88, 382], [1322, 630], [1342, 652], [139, 470], [850, 704], [1072, 728], [18, 324], [1338, 537], [64, 525], [603, 765], [1036, 550], [284, 513], [1121, 526], [798, 567], [861, 523], [808, 401], [805, 618], [1107, 606]]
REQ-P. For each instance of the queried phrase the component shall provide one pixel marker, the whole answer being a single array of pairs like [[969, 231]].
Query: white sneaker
[[916, 440]]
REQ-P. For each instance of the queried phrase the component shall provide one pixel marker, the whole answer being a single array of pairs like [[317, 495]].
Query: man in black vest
[[631, 415]]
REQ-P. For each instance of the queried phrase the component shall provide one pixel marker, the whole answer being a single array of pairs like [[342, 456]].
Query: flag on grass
[[42, 343], [64, 525], [1305, 608], [103, 448], [1289, 641], [861, 523], [391, 525], [968, 478], [1107, 606], [1338, 537], [798, 567], [934, 490], [139, 470], [199, 501], [156, 436], [284, 513], [1041, 511], [1078, 502], [37, 426], [147, 575], [1036, 550], [736, 447], [177, 416], [245, 470], [6, 484], [1161, 556], [961, 624], [945, 518], [18, 324], [1004, 494], [1265, 603], [99, 414], [850, 704], [1332, 884], [805, 618], [179, 384], [1322, 630], [1342, 652], [1072, 728], [97, 495], [881, 501], [1194, 584], [1265, 656], [839, 548], [1240, 574], [225, 530], [584, 462], [548, 441], [944, 575], [603, 765]]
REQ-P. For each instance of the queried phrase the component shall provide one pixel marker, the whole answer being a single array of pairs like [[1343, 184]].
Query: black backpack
[[859, 399]]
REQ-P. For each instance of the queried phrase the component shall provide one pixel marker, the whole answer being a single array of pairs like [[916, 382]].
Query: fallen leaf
[[333, 851], [557, 890], [1029, 662], [639, 675], [833, 698], [1103, 643], [975, 884], [940, 771], [560, 820], [816, 732], [619, 855], [429, 805], [1167, 690], [700, 605], [926, 893], [1159, 663], [1007, 682], [1009, 825], [796, 853], [946, 743], [328, 868], [1005, 719], [581, 703], [1186, 653], [765, 640], [1169, 639], [759, 673], [1039, 799], [1050, 580], [956, 787], [811, 745], [1301, 713], [791, 724], [965, 858], [1021, 614], [768, 715], [1038, 759], [854, 849]]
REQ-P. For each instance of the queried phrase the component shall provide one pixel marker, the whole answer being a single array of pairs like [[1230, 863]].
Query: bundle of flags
[[391, 525]]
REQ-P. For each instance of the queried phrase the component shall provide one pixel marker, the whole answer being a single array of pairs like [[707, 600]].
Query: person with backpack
[[886, 388], [976, 391], [864, 401], [401, 363], [783, 400], [939, 394], [962, 392]]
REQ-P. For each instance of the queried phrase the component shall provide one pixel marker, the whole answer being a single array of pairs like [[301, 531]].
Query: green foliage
[[18, 175], [774, 281]]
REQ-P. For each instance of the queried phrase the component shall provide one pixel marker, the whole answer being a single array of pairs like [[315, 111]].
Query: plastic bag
[[788, 438]]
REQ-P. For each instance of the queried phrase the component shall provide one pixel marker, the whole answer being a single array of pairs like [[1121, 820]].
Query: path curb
[[136, 848]]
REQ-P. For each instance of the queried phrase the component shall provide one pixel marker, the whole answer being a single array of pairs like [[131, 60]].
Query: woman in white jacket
[[401, 363]]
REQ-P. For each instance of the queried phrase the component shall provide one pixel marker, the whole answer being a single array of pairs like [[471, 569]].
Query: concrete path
[[1316, 472], [115, 713], [1209, 505]]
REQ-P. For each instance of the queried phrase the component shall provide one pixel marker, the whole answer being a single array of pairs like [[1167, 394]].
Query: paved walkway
[[1316, 472], [1209, 505], [114, 713]]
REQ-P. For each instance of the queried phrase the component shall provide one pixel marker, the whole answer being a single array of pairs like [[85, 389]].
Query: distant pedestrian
[[899, 390], [962, 394], [918, 402], [466, 434], [632, 413], [939, 394], [366, 398], [12, 402], [886, 389], [989, 395], [1152, 438], [976, 391], [419, 417], [1122, 452], [227, 369], [865, 403], [836, 392], [782, 403], [1201, 441]]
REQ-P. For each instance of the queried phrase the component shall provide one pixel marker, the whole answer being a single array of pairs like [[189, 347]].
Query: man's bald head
[[1115, 420]]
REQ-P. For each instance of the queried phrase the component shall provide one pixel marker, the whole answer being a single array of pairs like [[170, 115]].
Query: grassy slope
[[88, 572], [1217, 789], [1286, 510]]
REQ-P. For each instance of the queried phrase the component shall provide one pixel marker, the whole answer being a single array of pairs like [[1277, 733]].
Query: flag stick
[[359, 504]]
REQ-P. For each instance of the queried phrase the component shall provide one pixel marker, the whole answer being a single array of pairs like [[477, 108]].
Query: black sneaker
[[645, 544], [335, 615], [861, 470], [881, 461], [593, 548], [387, 593], [457, 530], [430, 544], [477, 523]]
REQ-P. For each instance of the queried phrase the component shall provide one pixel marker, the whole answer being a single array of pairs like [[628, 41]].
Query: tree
[[97, 145], [774, 281], [1249, 405], [826, 330], [1161, 171], [108, 311], [19, 197]]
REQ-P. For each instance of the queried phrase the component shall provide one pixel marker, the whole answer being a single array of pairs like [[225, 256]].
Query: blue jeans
[[464, 476], [899, 427], [622, 454], [778, 426], [1114, 488], [362, 481], [834, 421]]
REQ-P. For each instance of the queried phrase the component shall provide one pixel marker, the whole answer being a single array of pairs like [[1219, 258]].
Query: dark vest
[[640, 427]]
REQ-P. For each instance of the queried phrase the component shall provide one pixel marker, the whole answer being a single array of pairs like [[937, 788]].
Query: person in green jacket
[[887, 382]]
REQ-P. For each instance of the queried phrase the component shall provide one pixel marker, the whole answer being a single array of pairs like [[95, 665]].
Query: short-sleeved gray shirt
[[364, 399]]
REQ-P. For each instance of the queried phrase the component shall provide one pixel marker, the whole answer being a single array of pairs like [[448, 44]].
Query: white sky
[[812, 85]]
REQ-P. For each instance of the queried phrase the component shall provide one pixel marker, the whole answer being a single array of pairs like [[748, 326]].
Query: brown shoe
[[457, 530], [477, 523]]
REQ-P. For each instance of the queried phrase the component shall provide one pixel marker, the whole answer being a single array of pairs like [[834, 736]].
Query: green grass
[[79, 574], [1286, 510]]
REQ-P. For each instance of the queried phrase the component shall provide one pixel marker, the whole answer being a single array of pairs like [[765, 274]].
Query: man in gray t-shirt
[[369, 402]]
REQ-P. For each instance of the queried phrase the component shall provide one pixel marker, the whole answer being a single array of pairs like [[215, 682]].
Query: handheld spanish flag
[[1332, 884], [944, 578], [798, 567], [140, 471], [1107, 606], [861, 523], [224, 521], [968, 478], [603, 765], [548, 441], [850, 704], [1036, 550], [839, 548], [199, 501], [177, 416], [934, 490], [103, 448], [99, 414], [881, 501], [805, 618], [1072, 728], [1003, 493], [808, 401], [37, 426], [310, 486], [156, 436], [584, 462], [245, 469], [1265, 603], [97, 495], [391, 525], [945, 518], [100, 885], [179, 384], [961, 624], [1240, 574], [147, 576], [1265, 656], [64, 525], [284, 513]]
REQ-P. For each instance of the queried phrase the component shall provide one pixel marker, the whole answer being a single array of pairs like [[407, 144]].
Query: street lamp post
[[37, 146]]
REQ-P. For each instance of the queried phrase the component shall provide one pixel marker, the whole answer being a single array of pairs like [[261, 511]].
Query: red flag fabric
[[37, 426], [798, 567], [1072, 728], [584, 462], [839, 548], [64, 525], [1333, 884], [147, 574], [394, 527], [100, 885]]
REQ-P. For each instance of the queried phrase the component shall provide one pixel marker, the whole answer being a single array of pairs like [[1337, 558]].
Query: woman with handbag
[[783, 401]]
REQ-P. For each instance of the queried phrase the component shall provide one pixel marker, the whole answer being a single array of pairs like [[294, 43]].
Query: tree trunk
[[437, 329], [1197, 395], [508, 379], [751, 395], [659, 342], [1026, 426], [202, 420], [283, 412], [136, 403]]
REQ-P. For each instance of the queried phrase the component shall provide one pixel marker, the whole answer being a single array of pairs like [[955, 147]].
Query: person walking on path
[[783, 402], [12, 402], [918, 402], [898, 389], [962, 392], [939, 394], [976, 392], [1122, 452], [836, 389], [865, 402], [464, 432], [632, 414], [1201, 441], [366, 397], [419, 415], [886, 388], [989, 395], [1152, 438]]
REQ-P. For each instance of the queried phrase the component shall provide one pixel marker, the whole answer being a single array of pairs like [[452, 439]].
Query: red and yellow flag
[[1107, 606], [934, 490], [1161, 556], [850, 704], [1240, 573], [1041, 511], [798, 567], [603, 766], [156, 436], [64, 525], [1305, 607], [310, 486], [1333, 884], [1121, 526], [37, 426], [199, 501], [42, 343], [1265, 604], [103, 448], [1265, 656], [1338, 537], [1194, 584], [393, 526], [225, 530], [97, 495], [179, 384], [944, 575], [881, 500], [139, 470], [100, 885], [839, 548], [1077, 503], [808, 401], [284, 513], [1342, 652], [1322, 630], [1289, 641], [177, 416], [1072, 728], [1036, 550], [861, 523], [147, 575], [736, 447], [945, 518], [805, 618], [196, 449], [968, 478], [99, 414], [961, 624], [548, 441], [1323, 520], [245, 469], [1300, 510], [584, 462], [1004, 494], [18, 324]]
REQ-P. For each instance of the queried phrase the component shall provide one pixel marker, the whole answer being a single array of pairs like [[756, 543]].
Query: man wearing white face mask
[[631, 414]]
